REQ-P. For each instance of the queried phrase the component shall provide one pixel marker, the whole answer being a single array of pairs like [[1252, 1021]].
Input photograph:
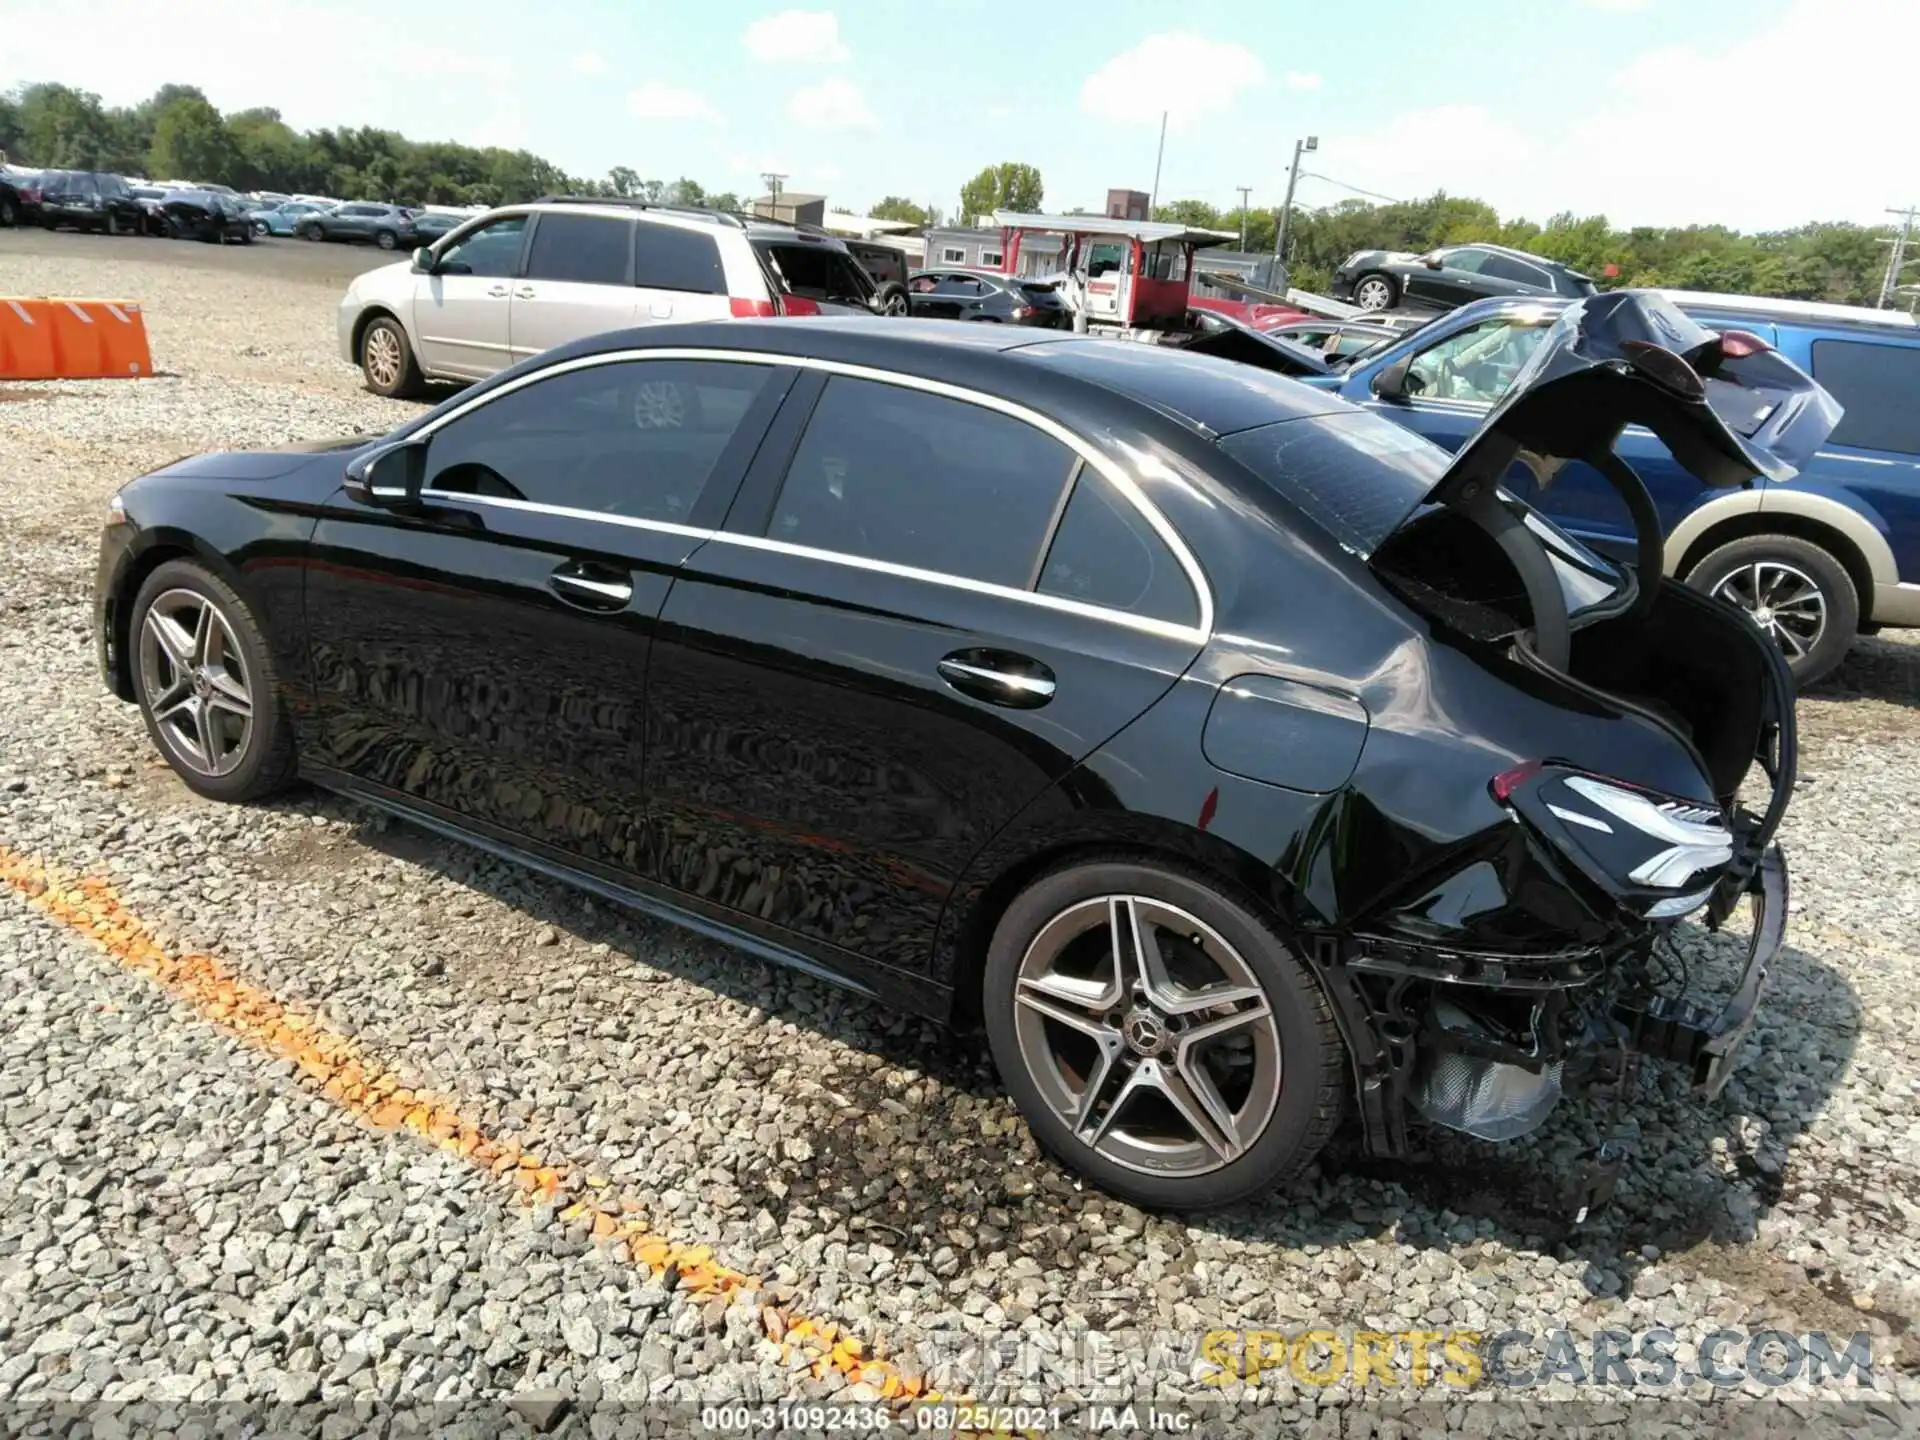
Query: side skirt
[[915, 994]]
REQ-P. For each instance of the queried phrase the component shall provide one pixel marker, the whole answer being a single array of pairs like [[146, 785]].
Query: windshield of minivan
[[817, 272]]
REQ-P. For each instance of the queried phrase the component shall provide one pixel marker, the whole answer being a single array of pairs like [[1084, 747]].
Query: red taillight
[[797, 305], [1508, 781], [1738, 344], [750, 309]]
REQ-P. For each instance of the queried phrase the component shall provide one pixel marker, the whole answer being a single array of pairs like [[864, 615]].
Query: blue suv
[[1815, 560]]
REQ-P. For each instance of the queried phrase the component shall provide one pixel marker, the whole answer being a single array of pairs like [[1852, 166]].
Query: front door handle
[[999, 677], [591, 587], [525, 292], [499, 291]]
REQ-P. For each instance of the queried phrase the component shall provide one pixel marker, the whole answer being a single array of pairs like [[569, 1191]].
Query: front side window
[[888, 473], [492, 251], [1105, 553], [1877, 384], [817, 272], [581, 249], [636, 439], [1476, 365], [666, 257], [1472, 261]]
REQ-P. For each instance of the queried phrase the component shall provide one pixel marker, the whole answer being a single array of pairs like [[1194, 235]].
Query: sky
[[1757, 114]]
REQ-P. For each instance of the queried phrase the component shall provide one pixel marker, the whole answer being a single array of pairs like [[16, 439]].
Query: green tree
[[624, 182], [898, 207], [190, 142], [60, 127], [1009, 185], [687, 192]]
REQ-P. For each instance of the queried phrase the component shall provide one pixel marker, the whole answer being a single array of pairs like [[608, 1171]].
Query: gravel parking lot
[[311, 1109]]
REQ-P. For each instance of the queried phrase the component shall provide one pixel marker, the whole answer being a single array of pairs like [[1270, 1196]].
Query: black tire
[[1794, 561], [1312, 1074], [267, 762], [406, 379], [260, 227], [312, 232], [386, 239], [1372, 280], [9, 212], [111, 225], [891, 299]]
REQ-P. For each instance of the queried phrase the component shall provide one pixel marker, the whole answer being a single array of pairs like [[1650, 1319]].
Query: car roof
[[1048, 369]]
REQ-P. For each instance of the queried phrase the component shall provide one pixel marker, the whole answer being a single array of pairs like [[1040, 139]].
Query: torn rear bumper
[[1687, 1032]]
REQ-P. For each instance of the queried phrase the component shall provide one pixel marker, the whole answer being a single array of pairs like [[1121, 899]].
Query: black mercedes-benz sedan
[[1237, 758]]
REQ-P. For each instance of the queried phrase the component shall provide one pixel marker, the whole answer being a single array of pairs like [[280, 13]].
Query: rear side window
[[586, 249], [1105, 553], [894, 474], [666, 258], [1505, 267], [1880, 387], [636, 439]]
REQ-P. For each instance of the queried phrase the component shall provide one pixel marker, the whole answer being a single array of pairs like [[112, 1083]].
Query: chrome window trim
[[1105, 464], [568, 512]]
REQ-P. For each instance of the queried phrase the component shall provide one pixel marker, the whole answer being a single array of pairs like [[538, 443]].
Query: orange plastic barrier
[[60, 339]]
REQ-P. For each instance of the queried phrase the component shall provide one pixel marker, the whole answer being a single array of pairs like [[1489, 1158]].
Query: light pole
[[1245, 190], [1300, 147]]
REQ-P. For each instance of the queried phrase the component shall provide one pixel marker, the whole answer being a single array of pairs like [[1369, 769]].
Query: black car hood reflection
[[1631, 357]]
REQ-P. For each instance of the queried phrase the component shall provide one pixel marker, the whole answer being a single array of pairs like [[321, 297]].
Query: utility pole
[[1300, 147], [1244, 190], [1158, 155], [1897, 257], [773, 192]]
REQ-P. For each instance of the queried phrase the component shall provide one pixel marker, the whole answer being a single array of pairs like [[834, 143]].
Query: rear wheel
[[312, 232], [1159, 1037], [386, 359], [1794, 590], [1375, 292], [891, 299], [9, 212], [386, 239]]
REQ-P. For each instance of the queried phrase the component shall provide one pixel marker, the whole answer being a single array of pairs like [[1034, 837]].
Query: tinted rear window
[[818, 272], [1880, 387], [1354, 473], [666, 258], [588, 249]]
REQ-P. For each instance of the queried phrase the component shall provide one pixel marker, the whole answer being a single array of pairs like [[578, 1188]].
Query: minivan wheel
[[1374, 292], [386, 359], [1159, 1037], [1794, 590], [206, 685]]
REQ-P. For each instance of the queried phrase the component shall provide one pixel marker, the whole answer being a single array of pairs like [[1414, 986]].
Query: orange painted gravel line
[[339, 1069]]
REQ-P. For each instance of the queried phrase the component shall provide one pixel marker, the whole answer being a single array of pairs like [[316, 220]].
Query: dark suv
[[89, 200], [388, 226], [1381, 279]]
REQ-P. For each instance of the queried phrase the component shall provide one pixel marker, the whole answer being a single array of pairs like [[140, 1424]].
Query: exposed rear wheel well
[[1741, 527]]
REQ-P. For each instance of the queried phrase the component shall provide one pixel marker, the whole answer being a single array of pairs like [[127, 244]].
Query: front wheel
[[1159, 1037], [386, 359], [1794, 590], [206, 685], [9, 212], [891, 299], [1374, 292]]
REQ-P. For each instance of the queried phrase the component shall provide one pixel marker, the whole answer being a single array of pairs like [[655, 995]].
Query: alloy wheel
[[1148, 1035], [1373, 294], [194, 680], [1783, 600], [381, 352]]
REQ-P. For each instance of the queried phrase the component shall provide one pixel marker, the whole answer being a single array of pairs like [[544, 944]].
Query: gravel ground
[[185, 1218]]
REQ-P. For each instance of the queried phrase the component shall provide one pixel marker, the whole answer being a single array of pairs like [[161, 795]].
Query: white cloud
[[590, 62], [654, 101], [797, 37], [833, 104], [1651, 153], [1302, 80], [1186, 76]]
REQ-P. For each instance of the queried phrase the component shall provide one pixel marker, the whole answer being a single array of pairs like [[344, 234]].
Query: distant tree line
[[177, 134], [1822, 261]]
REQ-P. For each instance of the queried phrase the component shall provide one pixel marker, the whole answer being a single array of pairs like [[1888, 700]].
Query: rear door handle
[[525, 292], [999, 677], [499, 291], [591, 587]]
